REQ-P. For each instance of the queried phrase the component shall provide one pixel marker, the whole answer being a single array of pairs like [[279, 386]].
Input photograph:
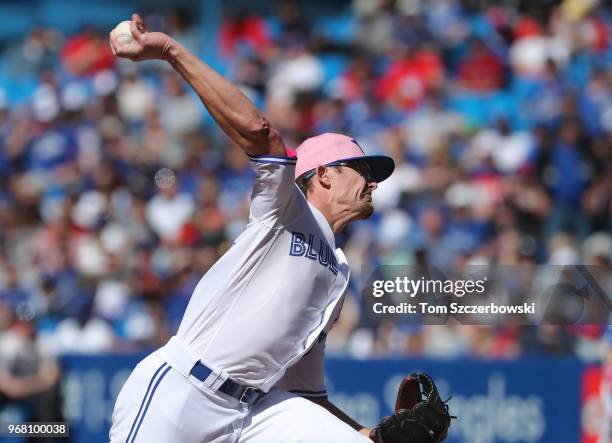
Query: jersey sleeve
[[275, 198], [306, 378]]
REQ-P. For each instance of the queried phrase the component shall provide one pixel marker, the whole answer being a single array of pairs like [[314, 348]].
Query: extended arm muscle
[[235, 114]]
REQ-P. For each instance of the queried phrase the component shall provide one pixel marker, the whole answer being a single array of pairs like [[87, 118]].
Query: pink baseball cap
[[329, 148]]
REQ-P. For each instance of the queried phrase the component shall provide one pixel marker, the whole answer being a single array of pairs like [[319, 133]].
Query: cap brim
[[381, 166]]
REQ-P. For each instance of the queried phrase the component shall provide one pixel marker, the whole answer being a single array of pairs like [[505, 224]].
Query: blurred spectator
[[566, 171], [507, 150], [533, 48], [299, 72], [243, 33], [180, 112], [87, 53], [84, 336], [29, 377], [293, 23], [38, 51], [548, 340], [179, 24], [545, 103], [11, 292], [431, 126], [135, 98], [411, 74], [169, 210], [377, 25], [480, 70]]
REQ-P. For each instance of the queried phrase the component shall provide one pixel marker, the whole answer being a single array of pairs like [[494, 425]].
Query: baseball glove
[[420, 415]]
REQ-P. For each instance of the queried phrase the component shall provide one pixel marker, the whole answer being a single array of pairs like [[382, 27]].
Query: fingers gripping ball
[[123, 32], [131, 40], [420, 414]]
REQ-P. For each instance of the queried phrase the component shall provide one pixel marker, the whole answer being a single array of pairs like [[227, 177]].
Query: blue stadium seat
[[15, 21], [71, 15], [333, 65], [338, 28]]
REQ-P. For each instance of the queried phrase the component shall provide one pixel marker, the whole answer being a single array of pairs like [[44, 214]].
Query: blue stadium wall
[[518, 401]]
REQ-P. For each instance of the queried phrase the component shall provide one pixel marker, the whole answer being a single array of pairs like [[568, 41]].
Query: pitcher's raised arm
[[235, 114]]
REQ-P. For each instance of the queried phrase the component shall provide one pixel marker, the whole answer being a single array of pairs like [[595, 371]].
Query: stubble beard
[[366, 210]]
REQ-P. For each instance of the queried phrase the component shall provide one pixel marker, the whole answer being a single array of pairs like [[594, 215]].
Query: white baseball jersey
[[261, 312], [274, 294]]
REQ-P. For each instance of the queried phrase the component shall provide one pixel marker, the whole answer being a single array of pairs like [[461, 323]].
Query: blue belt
[[244, 394]]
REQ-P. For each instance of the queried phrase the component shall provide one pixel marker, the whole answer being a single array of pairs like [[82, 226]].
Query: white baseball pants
[[160, 403]]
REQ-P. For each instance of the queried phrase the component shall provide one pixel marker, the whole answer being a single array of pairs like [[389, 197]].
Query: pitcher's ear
[[322, 175]]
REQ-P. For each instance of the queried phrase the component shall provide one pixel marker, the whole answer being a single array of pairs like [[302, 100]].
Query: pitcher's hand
[[145, 45]]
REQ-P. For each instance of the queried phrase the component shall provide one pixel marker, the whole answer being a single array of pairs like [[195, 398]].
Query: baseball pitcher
[[246, 364]]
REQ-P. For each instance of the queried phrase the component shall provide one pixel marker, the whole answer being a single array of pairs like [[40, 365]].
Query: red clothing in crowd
[[87, 53], [408, 79], [250, 31], [481, 71]]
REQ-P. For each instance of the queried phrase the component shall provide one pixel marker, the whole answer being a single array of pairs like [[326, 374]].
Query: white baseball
[[123, 32]]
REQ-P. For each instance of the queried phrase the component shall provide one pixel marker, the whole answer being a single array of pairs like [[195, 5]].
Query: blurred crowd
[[117, 191]]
